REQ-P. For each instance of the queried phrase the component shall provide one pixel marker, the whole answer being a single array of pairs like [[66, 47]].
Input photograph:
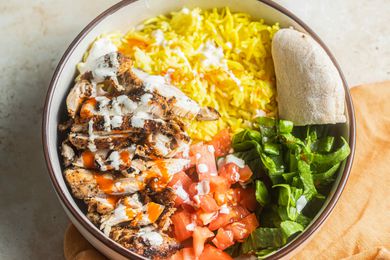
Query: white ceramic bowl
[[123, 16]]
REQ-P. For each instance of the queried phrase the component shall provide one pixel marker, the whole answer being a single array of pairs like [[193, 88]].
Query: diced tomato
[[220, 221], [222, 143], [230, 196], [187, 243], [223, 239], [206, 217], [211, 252], [230, 171], [234, 196], [220, 198], [187, 207], [180, 181], [208, 204], [248, 198], [245, 174], [180, 220], [177, 256], [219, 184], [188, 253], [235, 213], [192, 190], [201, 234], [239, 213], [244, 227], [194, 148], [183, 178], [205, 161]]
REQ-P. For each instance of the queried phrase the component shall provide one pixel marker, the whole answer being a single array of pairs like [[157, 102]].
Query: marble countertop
[[34, 35]]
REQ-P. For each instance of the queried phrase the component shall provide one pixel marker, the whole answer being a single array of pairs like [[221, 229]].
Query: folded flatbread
[[310, 89]]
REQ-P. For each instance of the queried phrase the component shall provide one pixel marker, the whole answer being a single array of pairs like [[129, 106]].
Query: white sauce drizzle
[[138, 120], [211, 54], [224, 209], [179, 191], [211, 149], [115, 160], [231, 158], [202, 168], [158, 37], [153, 237], [191, 227], [203, 187], [99, 48], [116, 121], [158, 83], [91, 137]]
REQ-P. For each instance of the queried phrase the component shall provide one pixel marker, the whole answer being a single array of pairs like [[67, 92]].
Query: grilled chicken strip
[[114, 141], [105, 160], [182, 106], [115, 72], [147, 241], [80, 92], [88, 184], [132, 211]]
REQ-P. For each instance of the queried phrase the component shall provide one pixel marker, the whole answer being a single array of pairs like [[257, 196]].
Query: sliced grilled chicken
[[132, 210], [102, 204], [147, 241], [105, 160], [182, 106], [67, 152], [82, 90], [114, 141], [88, 184]]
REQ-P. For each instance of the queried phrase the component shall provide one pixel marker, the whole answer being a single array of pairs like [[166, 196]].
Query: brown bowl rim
[[284, 251]]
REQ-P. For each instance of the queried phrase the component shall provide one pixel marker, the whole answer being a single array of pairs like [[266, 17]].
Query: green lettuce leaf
[[262, 195]]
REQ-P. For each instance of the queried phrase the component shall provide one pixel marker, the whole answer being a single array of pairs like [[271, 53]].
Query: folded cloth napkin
[[359, 226]]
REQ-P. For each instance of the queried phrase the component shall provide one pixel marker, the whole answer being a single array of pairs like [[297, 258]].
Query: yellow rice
[[246, 45]]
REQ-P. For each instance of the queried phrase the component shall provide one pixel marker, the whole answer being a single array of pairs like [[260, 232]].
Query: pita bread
[[310, 89]]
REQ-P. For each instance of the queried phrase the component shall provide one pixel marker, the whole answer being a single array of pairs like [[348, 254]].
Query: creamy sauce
[[138, 120], [158, 37], [191, 227], [203, 187], [224, 209], [94, 63], [202, 168], [151, 236], [211, 55], [179, 191], [114, 158], [91, 137], [231, 158], [184, 105]]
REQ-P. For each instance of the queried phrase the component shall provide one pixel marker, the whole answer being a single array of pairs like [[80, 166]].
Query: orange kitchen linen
[[359, 226]]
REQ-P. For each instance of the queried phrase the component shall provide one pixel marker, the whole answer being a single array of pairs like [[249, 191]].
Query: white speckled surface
[[34, 34]]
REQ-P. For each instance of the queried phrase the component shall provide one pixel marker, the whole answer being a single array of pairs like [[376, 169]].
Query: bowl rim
[[284, 251]]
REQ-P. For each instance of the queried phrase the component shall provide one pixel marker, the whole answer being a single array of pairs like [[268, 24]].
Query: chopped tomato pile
[[214, 204]]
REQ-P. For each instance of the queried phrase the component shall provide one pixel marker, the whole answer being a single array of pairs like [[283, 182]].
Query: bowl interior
[[122, 17]]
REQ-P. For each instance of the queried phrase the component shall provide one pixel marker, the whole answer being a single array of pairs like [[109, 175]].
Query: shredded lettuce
[[291, 165]]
